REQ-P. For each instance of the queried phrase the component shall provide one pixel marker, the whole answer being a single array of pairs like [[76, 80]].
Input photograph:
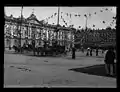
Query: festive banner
[[85, 15], [93, 25], [78, 15], [104, 22], [70, 15]]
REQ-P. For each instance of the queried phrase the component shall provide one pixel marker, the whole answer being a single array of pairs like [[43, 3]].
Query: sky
[[44, 12]]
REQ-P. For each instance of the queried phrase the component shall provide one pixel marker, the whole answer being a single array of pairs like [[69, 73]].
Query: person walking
[[109, 61], [91, 52], [33, 47], [73, 52], [96, 51], [88, 49], [103, 51], [82, 49]]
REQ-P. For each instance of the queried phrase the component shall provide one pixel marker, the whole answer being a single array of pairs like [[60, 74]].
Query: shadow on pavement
[[98, 70]]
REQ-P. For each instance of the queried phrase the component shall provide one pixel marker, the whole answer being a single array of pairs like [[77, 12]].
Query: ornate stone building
[[28, 29]]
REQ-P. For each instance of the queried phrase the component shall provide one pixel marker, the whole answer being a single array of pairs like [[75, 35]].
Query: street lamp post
[[86, 25]]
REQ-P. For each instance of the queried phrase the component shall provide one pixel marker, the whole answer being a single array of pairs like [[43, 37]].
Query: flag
[[79, 15], [89, 14], [70, 15], [101, 11], [67, 14], [106, 9], [55, 14], [85, 15], [103, 21], [114, 17], [75, 15]]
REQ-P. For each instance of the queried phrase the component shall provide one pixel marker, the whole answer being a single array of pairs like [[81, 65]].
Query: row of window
[[12, 31]]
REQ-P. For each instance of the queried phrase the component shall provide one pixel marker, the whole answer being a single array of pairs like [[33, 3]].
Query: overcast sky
[[45, 12]]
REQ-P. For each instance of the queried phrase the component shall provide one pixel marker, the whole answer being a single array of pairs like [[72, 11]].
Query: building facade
[[24, 30]]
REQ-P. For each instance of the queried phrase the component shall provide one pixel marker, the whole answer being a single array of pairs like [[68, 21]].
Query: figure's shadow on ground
[[98, 70]]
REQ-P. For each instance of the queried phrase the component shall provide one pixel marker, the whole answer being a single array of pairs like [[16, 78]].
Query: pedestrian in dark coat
[[91, 52], [88, 49], [82, 49], [97, 52], [73, 52], [33, 47], [109, 61]]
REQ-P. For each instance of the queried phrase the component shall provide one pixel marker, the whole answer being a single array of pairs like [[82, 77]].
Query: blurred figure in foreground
[[109, 61]]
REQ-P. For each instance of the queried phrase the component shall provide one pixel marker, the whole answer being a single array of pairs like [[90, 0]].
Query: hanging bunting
[[106, 9], [79, 15], [55, 14], [61, 17], [67, 14], [114, 17], [101, 10], [110, 24], [75, 15], [64, 21], [66, 24], [104, 22], [89, 15], [93, 25], [85, 15], [113, 20], [95, 13], [70, 15]]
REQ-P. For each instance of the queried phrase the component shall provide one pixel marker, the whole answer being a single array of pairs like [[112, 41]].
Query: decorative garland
[[79, 15]]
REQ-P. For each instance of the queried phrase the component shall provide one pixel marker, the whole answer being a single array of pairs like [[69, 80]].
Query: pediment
[[33, 21]]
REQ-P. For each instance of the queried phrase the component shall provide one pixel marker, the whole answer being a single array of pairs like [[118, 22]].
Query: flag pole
[[57, 25], [21, 27], [58, 15]]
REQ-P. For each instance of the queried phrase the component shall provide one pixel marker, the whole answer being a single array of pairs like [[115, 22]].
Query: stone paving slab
[[47, 71]]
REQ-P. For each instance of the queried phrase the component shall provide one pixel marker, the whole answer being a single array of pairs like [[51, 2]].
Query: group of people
[[90, 50]]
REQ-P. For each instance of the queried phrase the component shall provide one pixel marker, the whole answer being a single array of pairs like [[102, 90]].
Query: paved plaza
[[22, 70]]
